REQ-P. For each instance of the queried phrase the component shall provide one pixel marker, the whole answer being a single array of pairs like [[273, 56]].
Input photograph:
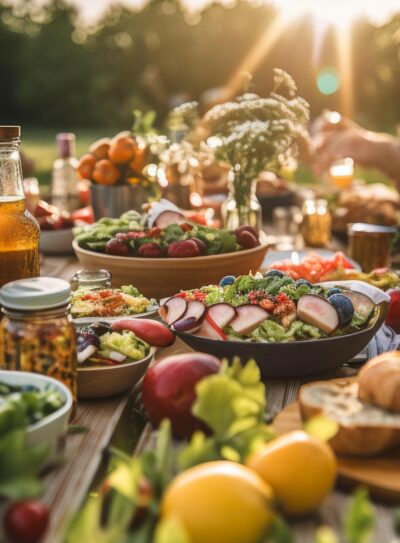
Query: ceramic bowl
[[51, 427], [293, 359], [162, 277], [102, 382], [56, 242]]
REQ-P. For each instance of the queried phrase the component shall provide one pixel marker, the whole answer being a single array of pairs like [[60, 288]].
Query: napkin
[[384, 340], [376, 294]]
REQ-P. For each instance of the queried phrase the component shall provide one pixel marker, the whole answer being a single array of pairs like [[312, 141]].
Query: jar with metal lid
[[369, 245], [35, 333], [89, 279]]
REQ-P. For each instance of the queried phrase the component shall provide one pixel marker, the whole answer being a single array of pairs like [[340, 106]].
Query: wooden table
[[67, 485]]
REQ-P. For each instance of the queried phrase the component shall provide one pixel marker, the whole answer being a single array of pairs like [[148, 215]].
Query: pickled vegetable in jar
[[35, 333]]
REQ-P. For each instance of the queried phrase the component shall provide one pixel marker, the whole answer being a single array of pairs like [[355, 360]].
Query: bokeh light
[[328, 80]]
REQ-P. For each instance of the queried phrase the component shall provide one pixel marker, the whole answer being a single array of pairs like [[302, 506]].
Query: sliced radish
[[173, 309], [86, 353], [363, 305], [222, 314], [192, 318], [210, 329], [248, 318], [169, 217], [118, 357], [319, 312]]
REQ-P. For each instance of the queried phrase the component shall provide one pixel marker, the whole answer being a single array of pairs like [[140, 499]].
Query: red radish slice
[[210, 329], [169, 217], [319, 312], [192, 317], [173, 309], [222, 314], [248, 318]]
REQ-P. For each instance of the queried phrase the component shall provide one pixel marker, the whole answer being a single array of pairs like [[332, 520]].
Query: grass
[[41, 146]]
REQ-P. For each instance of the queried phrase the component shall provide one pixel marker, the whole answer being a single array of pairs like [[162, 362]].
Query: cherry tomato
[[26, 521]]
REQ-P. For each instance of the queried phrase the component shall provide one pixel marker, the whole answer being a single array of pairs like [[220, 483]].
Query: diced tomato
[[84, 214]]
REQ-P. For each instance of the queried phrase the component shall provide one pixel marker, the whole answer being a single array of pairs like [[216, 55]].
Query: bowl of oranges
[[116, 169]]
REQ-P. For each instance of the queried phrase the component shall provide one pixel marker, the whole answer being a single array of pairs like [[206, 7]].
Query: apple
[[169, 390]]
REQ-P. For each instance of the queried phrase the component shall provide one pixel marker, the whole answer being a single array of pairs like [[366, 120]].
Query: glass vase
[[241, 206]]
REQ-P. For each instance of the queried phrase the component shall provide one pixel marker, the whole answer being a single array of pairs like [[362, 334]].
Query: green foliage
[[233, 405], [359, 520]]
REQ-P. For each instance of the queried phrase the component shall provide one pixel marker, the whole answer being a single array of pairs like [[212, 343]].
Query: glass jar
[[91, 279], [35, 333], [370, 245], [317, 223], [19, 232], [242, 206]]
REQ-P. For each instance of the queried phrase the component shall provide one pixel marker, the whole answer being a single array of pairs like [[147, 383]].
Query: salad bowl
[[102, 382], [297, 358], [161, 277]]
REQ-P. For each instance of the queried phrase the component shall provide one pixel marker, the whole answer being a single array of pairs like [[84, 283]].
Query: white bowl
[[51, 427], [56, 242]]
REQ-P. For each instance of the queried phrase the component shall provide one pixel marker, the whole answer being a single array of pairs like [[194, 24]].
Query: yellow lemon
[[300, 469], [220, 502]]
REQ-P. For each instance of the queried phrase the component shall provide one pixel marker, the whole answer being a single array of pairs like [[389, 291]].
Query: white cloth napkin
[[376, 294]]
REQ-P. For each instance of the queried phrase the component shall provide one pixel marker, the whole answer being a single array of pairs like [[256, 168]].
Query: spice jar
[[35, 333], [89, 279], [317, 223], [369, 245]]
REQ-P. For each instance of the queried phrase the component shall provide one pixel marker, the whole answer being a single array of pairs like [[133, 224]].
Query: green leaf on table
[[325, 534], [20, 465], [171, 530], [158, 463], [200, 449], [321, 427], [280, 532], [397, 521], [359, 519]]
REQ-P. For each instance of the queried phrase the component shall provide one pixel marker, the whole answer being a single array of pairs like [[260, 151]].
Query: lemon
[[220, 502], [300, 469]]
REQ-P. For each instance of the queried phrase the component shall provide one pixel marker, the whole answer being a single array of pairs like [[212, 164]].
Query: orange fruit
[[105, 173], [100, 148], [220, 502], [300, 469], [122, 149], [139, 160], [86, 166]]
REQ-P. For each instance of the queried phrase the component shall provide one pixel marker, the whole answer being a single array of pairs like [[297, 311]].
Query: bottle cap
[[35, 294], [10, 132], [66, 144]]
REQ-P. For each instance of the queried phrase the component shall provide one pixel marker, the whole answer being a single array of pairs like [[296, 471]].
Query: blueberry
[[227, 280], [333, 291], [301, 282], [344, 308], [274, 273]]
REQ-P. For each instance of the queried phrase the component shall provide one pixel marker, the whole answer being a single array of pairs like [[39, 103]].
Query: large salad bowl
[[293, 359]]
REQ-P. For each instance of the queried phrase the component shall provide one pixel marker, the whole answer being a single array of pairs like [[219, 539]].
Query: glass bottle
[[65, 182], [35, 333], [19, 232], [241, 206]]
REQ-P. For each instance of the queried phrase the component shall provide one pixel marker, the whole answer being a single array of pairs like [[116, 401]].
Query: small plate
[[83, 321], [275, 256]]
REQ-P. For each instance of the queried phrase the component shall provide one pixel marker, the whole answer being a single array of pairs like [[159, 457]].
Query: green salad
[[273, 308]]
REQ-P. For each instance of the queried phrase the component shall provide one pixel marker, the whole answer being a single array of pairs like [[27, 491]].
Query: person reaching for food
[[335, 137]]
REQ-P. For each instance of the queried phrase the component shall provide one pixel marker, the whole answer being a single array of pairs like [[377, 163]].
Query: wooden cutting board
[[381, 474]]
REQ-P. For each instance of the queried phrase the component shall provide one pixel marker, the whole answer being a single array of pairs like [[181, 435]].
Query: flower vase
[[241, 206]]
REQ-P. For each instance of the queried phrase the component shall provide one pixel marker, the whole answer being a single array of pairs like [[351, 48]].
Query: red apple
[[169, 390]]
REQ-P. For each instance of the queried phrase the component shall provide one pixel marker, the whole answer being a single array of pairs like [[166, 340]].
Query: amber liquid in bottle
[[19, 232]]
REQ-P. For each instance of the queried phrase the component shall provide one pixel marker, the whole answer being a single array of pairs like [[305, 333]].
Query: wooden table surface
[[67, 485]]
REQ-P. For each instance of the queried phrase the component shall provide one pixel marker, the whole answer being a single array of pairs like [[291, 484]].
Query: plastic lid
[[35, 294]]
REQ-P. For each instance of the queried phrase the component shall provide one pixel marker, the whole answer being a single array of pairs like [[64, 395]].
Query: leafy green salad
[[271, 308]]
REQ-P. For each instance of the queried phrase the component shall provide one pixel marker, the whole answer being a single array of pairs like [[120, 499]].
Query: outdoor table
[[67, 485]]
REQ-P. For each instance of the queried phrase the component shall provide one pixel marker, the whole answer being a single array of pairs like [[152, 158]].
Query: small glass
[[31, 190], [317, 223], [89, 279], [342, 173], [370, 245]]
